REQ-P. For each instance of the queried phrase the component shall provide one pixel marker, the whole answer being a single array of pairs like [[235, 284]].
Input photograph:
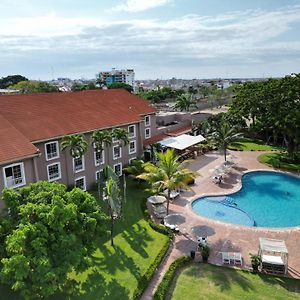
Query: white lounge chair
[[173, 194]]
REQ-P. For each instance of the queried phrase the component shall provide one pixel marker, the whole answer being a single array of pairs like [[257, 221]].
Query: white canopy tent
[[274, 255], [182, 142]]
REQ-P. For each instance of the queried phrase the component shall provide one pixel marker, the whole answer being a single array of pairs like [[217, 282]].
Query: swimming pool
[[266, 199]]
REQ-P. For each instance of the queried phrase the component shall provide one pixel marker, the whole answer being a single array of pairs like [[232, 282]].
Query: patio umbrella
[[203, 230], [174, 220], [157, 199]]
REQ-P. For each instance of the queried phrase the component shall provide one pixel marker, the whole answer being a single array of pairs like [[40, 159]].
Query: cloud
[[240, 37], [139, 5]]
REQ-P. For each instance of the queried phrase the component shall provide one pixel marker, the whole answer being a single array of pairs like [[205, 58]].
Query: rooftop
[[36, 117]]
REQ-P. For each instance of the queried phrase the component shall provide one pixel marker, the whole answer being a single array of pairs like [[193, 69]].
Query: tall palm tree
[[101, 139], [168, 174], [184, 102], [121, 134], [224, 136], [114, 198], [76, 143]]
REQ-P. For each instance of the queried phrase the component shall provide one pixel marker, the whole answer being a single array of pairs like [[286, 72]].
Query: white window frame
[[134, 150], [99, 171], [59, 172], [115, 140], [83, 164], [117, 146], [149, 135], [57, 150], [131, 159], [95, 158], [84, 182], [21, 164], [147, 123], [121, 169], [134, 132]]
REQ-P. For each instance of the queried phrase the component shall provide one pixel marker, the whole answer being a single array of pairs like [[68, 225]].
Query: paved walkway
[[221, 236]]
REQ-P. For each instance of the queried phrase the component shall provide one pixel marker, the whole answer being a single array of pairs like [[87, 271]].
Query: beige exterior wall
[[29, 173], [68, 176]]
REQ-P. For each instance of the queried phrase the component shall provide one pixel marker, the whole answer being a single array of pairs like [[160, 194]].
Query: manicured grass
[[114, 272], [275, 160], [204, 281], [246, 144]]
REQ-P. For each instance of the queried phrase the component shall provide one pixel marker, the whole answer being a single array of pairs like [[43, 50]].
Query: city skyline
[[158, 38]]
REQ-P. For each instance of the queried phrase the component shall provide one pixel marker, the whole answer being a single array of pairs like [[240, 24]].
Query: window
[[54, 172], [147, 133], [132, 148], [78, 164], [117, 152], [98, 157], [51, 150], [80, 183], [118, 169], [131, 131], [131, 160], [147, 120], [14, 175], [99, 175]]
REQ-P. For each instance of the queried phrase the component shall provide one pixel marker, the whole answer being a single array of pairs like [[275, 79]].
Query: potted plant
[[204, 250], [255, 262]]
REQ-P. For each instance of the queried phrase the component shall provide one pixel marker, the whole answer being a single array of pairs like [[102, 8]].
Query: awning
[[182, 142], [272, 245]]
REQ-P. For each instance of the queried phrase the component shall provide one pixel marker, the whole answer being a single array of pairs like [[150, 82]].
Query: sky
[[157, 38]]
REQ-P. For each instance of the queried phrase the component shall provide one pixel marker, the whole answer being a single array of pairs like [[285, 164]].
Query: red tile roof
[[162, 136], [13, 144], [156, 138], [180, 131], [48, 115]]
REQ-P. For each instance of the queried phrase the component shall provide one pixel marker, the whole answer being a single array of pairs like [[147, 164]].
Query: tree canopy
[[168, 174], [31, 86], [47, 233], [7, 81], [121, 85], [273, 109]]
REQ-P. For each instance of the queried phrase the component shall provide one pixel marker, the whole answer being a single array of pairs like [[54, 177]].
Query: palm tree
[[135, 168], [168, 174], [224, 136], [76, 143], [114, 198], [184, 103], [101, 138], [121, 135]]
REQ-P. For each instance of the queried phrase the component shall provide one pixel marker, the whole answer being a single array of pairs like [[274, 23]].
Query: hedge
[[145, 279], [164, 286]]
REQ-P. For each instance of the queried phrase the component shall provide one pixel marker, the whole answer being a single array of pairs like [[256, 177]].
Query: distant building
[[124, 76]]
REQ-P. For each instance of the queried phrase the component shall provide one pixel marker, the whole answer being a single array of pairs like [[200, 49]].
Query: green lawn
[[115, 271], [275, 160], [246, 144], [204, 281]]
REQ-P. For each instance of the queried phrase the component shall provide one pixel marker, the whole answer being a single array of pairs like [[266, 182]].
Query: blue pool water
[[267, 199]]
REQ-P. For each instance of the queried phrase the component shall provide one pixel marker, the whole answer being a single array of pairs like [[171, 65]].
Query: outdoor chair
[[232, 257]]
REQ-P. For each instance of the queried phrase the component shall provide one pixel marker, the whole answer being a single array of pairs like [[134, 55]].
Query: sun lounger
[[173, 194]]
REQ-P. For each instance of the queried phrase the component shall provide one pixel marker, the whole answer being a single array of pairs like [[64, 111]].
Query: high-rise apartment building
[[124, 76]]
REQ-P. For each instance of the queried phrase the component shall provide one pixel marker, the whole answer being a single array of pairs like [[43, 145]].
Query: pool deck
[[222, 237]]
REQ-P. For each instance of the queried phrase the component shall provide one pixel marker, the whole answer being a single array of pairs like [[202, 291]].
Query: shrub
[[145, 279], [164, 286]]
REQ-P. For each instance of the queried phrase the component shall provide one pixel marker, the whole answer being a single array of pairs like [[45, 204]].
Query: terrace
[[223, 236]]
